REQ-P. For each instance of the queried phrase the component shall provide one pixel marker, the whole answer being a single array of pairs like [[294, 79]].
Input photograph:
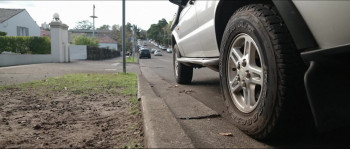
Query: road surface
[[200, 110]]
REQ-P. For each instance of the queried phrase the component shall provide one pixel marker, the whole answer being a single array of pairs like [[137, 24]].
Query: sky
[[140, 12]]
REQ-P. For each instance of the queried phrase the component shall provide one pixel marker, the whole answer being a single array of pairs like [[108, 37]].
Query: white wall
[[110, 45], [59, 49], [22, 19], [78, 52], [20, 59]]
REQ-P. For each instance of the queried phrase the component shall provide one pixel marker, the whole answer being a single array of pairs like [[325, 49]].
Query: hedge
[[25, 45], [3, 33]]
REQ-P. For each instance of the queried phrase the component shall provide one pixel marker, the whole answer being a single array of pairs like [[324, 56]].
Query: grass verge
[[132, 60], [83, 84]]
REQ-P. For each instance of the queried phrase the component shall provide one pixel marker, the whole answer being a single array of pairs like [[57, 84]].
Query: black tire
[[281, 66], [183, 74]]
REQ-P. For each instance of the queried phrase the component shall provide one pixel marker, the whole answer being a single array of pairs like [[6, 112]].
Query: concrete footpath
[[161, 128]]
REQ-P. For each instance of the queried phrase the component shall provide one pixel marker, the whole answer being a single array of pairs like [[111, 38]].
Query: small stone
[[37, 127]]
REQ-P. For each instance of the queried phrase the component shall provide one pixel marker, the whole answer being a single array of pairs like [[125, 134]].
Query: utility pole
[[93, 20], [124, 46], [133, 43]]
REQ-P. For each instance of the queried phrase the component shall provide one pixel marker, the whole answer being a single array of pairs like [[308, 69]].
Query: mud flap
[[327, 84]]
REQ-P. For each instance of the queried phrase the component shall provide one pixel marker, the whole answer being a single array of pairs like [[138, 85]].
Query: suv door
[[188, 43], [205, 11]]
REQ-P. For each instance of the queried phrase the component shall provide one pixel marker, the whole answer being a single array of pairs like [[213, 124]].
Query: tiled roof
[[6, 14], [106, 39]]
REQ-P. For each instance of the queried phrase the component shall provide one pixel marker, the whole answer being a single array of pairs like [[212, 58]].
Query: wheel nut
[[244, 84], [244, 63], [238, 66], [247, 75], [238, 79]]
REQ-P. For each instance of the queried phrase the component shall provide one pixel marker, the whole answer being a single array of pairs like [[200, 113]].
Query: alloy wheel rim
[[245, 73]]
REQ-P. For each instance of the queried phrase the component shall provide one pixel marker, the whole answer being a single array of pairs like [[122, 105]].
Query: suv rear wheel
[[260, 70], [183, 74]]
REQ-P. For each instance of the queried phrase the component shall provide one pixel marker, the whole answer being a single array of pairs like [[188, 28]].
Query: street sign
[[132, 39]]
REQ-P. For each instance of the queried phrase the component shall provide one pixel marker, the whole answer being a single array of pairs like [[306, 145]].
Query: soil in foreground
[[74, 111]]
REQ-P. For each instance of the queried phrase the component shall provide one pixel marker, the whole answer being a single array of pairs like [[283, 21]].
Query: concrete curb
[[161, 128]]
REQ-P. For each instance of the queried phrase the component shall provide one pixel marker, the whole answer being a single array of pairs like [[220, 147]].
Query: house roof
[[88, 31], [106, 39], [6, 14]]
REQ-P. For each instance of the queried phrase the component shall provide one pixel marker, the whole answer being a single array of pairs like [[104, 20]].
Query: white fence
[[78, 52], [20, 59]]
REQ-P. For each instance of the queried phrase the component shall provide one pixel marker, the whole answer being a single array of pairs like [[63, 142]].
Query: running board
[[212, 63]]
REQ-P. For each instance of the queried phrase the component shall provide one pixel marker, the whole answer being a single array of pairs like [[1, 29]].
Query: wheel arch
[[301, 34], [173, 41]]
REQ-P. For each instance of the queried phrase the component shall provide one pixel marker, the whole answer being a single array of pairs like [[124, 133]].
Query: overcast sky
[[142, 13]]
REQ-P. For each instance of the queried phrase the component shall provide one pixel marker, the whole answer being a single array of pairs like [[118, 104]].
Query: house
[[18, 22], [45, 32], [105, 41]]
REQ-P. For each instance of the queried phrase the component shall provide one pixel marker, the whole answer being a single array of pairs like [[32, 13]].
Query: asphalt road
[[200, 111]]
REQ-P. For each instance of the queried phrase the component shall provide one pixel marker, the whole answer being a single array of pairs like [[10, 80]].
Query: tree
[[84, 40], [117, 30], [104, 27], [159, 32], [83, 25]]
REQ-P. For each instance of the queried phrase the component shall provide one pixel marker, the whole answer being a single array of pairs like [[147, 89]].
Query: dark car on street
[[145, 53]]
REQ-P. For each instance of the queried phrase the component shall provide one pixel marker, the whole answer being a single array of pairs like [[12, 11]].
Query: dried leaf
[[226, 134]]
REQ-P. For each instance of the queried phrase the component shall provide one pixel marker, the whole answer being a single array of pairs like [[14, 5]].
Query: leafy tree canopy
[[85, 40], [160, 32], [104, 27], [83, 25]]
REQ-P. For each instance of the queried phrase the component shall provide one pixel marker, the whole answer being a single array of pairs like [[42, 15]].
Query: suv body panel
[[327, 20]]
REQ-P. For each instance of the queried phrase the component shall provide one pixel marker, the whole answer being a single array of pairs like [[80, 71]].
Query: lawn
[[132, 60]]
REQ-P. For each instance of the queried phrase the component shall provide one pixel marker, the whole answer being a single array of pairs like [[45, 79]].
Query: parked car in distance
[[158, 53], [169, 50], [278, 61], [141, 47], [145, 53], [153, 50], [162, 47]]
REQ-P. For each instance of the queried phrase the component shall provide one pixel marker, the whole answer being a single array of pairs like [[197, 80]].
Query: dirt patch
[[30, 118]]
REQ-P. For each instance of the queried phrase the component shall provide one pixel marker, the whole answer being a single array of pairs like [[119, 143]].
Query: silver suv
[[276, 59]]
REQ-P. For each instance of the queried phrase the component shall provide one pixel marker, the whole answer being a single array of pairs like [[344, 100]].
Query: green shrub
[[3, 33], [84, 40], [25, 45]]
